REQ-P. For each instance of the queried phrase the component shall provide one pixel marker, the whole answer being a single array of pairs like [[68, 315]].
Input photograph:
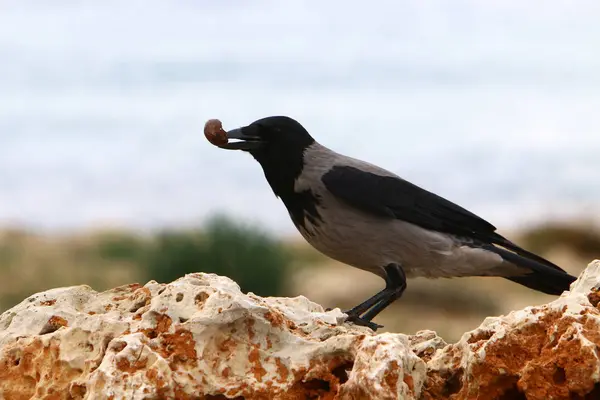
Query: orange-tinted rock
[[200, 337], [538, 353]]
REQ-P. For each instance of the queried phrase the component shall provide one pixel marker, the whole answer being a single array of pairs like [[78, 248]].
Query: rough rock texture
[[201, 338], [546, 352], [194, 338]]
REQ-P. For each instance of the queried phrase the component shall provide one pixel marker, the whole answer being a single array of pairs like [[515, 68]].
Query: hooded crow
[[370, 218]]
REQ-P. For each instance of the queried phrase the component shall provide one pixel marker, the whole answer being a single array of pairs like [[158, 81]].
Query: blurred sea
[[494, 105]]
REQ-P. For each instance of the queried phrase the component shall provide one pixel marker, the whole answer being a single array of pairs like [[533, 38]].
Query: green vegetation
[[120, 246], [267, 266], [30, 263], [255, 261]]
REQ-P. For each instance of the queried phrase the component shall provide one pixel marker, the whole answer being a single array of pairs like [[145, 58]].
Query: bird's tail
[[544, 277]]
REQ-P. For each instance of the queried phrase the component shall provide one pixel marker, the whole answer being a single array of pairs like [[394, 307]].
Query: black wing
[[393, 197]]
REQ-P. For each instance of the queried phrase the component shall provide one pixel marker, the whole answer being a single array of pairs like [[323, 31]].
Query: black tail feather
[[544, 276], [553, 285], [502, 241]]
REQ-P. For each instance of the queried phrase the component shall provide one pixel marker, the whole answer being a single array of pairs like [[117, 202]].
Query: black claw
[[357, 320]]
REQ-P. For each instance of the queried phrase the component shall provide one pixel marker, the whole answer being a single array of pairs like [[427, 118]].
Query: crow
[[370, 218]]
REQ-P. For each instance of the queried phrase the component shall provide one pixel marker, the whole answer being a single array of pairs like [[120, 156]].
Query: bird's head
[[277, 143], [269, 137]]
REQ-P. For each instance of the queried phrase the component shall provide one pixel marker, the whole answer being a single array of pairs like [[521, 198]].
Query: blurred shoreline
[[104, 258]]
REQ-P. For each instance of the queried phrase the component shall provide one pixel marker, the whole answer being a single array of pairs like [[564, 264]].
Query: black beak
[[247, 142]]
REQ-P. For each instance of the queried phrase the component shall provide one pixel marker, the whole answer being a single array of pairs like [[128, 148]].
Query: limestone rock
[[192, 339], [546, 352], [200, 337]]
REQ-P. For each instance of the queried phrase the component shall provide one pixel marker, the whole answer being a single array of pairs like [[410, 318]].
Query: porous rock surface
[[546, 352], [200, 337]]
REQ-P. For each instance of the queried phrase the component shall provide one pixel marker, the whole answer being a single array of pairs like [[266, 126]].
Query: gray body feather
[[362, 240]]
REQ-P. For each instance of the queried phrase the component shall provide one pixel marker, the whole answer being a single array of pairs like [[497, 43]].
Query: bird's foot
[[357, 320]]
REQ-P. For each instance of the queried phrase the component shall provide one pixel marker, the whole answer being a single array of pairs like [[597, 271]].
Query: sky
[[492, 105]]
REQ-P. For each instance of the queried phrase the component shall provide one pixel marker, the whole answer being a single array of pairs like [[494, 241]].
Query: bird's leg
[[395, 295], [370, 302], [395, 281]]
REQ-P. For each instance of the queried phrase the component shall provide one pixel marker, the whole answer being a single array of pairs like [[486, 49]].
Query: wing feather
[[393, 197]]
